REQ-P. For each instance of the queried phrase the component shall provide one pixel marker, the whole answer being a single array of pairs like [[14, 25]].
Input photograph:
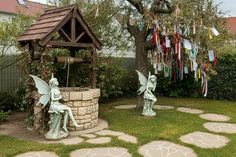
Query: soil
[[15, 127]]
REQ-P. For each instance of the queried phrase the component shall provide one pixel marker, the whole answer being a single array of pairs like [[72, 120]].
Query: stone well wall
[[84, 105]]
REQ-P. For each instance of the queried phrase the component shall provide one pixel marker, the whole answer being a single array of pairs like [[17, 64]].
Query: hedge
[[223, 84]]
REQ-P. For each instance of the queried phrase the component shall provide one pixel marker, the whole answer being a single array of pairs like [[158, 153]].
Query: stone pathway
[[158, 107], [215, 117], [122, 107], [205, 140], [66, 141], [109, 133], [163, 107], [165, 149], [38, 154], [99, 140], [121, 135], [88, 135], [101, 152], [221, 127], [128, 138], [190, 110]]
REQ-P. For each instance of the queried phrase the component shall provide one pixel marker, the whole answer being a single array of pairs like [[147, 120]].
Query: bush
[[12, 102], [113, 80], [187, 87], [7, 102], [223, 84], [3, 116]]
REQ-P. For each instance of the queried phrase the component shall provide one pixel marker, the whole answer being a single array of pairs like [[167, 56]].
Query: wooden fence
[[10, 73]]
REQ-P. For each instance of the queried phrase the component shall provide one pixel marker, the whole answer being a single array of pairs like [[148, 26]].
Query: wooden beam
[[94, 68], [73, 31], [79, 37], [69, 60], [64, 33], [31, 50], [73, 25], [69, 44]]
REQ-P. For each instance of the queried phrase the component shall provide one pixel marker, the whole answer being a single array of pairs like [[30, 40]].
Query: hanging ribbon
[[210, 33], [204, 84]]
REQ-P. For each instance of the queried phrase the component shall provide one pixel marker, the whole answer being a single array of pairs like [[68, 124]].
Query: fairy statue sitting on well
[[52, 93]]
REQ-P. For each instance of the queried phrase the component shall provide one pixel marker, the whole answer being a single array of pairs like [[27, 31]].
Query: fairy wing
[[142, 81], [43, 89]]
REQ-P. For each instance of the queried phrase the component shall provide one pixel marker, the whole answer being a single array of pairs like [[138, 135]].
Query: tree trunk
[[141, 63]]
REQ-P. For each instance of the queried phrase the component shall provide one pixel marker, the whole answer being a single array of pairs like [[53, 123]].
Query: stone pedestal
[[84, 105]]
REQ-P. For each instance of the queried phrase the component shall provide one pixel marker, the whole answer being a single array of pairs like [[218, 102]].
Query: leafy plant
[[7, 102], [188, 87], [223, 84], [3, 116]]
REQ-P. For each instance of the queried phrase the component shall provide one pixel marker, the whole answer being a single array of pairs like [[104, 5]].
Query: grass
[[168, 125]]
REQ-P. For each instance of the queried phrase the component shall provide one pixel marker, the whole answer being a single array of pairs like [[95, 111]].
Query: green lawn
[[168, 125]]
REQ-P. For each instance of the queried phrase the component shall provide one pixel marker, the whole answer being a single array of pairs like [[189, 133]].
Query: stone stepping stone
[[190, 110], [101, 152], [123, 107], [109, 133], [88, 135], [221, 127], [163, 107], [128, 138], [215, 117], [66, 141], [100, 140], [205, 140], [165, 149], [38, 154]]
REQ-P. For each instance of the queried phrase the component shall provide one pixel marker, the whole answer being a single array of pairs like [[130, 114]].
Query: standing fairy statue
[[147, 87], [56, 110]]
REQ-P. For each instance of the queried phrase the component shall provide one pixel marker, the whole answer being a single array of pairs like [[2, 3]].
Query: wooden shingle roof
[[66, 22]]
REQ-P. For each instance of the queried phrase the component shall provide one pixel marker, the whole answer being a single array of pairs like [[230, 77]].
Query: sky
[[226, 5]]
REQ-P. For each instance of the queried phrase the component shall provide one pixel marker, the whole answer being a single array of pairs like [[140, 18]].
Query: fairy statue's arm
[[53, 96]]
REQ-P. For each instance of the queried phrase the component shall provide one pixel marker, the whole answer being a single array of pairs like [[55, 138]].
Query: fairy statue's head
[[53, 82], [153, 78]]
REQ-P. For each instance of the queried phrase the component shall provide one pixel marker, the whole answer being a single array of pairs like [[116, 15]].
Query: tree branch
[[156, 9], [138, 5], [125, 20]]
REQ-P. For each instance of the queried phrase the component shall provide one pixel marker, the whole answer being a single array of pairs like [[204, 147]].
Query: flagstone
[[125, 107], [128, 138], [205, 140], [165, 149], [109, 133], [228, 128], [38, 154], [215, 117], [163, 107], [88, 135], [100, 140], [101, 152], [66, 141], [190, 110]]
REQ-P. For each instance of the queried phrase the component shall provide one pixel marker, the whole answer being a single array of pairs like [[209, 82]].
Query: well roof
[[56, 20]]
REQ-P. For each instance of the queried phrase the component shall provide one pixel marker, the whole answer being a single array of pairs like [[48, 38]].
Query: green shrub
[[7, 102], [223, 84], [13, 102], [3, 116], [110, 78], [187, 87]]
